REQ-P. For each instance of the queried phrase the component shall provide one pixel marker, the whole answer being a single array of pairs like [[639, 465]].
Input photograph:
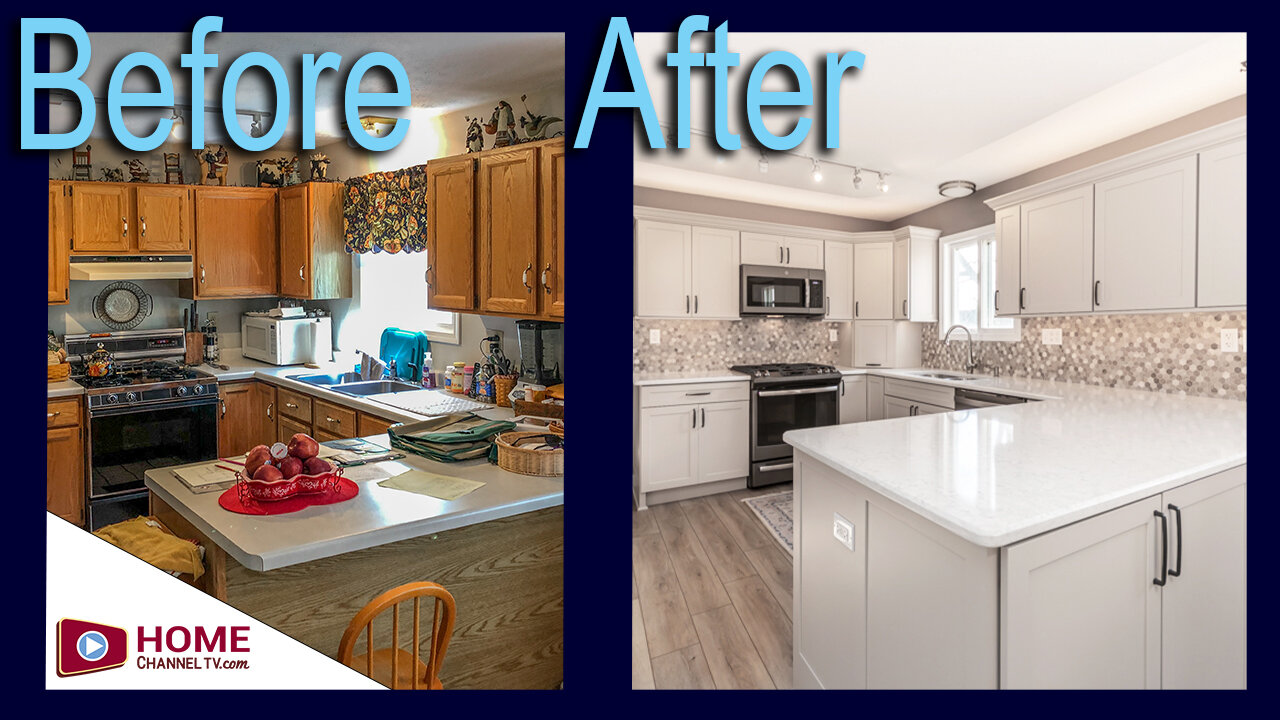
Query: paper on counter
[[422, 482], [205, 478], [372, 471]]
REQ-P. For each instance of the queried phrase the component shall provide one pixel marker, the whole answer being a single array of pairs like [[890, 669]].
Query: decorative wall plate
[[122, 305]]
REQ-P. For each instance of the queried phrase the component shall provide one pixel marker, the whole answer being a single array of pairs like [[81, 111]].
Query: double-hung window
[[967, 292]]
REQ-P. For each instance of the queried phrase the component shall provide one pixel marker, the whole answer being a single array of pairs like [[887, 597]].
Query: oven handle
[[128, 409], [798, 391], [776, 466]]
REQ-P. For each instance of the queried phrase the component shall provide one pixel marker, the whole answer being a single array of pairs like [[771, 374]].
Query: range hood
[[131, 267]]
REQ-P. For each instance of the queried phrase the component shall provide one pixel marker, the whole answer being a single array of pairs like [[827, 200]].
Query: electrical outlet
[[834, 334], [1229, 340], [655, 336], [1243, 347], [1051, 336], [843, 530], [491, 333]]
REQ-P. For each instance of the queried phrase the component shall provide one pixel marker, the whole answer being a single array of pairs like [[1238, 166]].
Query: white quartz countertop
[[679, 378], [375, 517], [998, 475]]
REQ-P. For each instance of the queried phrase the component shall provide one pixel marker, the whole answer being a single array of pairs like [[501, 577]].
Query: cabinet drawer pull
[[1164, 550], [780, 256], [291, 406], [143, 225], [332, 420], [697, 394], [788, 256], [125, 222], [545, 285], [55, 413], [1097, 285], [524, 278], [1177, 530]]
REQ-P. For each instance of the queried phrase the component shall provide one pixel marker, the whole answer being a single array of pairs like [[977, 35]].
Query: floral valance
[[387, 211]]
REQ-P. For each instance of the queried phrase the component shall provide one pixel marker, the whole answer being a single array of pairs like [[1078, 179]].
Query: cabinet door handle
[[904, 308], [1164, 550], [695, 304], [1097, 285], [695, 417], [270, 407], [781, 257], [997, 302], [546, 286], [202, 274], [842, 388], [224, 409], [1177, 529], [1022, 298], [143, 225], [524, 278], [855, 308], [788, 256], [686, 304], [427, 276], [704, 417], [125, 222], [300, 275]]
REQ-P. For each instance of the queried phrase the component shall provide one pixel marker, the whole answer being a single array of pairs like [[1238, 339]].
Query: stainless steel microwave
[[770, 290]]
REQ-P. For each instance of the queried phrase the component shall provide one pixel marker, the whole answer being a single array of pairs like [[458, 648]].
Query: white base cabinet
[[875, 398], [691, 434], [853, 399]]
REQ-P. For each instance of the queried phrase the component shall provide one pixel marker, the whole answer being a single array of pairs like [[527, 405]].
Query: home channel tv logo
[[87, 647]]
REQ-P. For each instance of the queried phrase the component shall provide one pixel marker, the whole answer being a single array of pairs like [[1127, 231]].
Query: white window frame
[[985, 237]]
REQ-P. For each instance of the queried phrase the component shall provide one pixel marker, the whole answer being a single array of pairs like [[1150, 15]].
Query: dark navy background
[[598, 568]]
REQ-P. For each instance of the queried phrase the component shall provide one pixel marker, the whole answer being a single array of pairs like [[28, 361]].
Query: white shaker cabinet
[[1144, 238], [875, 398], [1222, 212], [853, 399], [690, 434], [1057, 253], [769, 249], [839, 275], [915, 273], [685, 271], [805, 253], [885, 343], [873, 281], [1008, 260]]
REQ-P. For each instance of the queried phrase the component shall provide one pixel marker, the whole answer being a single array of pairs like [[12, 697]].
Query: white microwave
[[286, 341]]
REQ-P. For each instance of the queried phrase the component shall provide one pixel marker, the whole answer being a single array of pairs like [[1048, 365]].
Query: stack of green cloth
[[450, 438]]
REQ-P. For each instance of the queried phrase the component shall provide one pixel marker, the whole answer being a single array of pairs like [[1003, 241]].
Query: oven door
[[774, 291], [775, 410], [125, 442]]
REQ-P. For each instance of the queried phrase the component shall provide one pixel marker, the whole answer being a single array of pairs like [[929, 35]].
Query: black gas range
[[152, 411], [786, 396]]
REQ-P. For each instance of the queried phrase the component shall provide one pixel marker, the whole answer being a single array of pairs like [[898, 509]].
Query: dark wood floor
[[710, 596]]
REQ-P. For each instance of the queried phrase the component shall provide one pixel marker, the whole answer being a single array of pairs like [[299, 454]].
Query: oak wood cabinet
[[287, 427], [236, 252], [367, 424], [99, 217], [332, 419], [451, 246], [508, 228], [247, 416], [124, 218], [551, 243], [164, 218], [64, 446], [314, 264], [59, 245]]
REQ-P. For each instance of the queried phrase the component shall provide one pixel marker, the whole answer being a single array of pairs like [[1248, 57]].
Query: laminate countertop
[[65, 388], [998, 475], [376, 516]]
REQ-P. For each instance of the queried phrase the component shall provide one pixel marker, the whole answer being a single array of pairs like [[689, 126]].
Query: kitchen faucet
[[972, 364]]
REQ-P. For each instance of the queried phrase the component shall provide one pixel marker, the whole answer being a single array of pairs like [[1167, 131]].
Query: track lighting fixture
[[764, 163], [857, 178], [817, 171], [882, 184]]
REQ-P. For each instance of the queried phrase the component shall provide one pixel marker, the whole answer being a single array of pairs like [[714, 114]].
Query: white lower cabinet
[[692, 434], [853, 399], [895, 407], [875, 398]]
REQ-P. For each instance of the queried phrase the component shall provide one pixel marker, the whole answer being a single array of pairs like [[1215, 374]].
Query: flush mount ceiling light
[[817, 171], [857, 178], [882, 184], [956, 188], [764, 163]]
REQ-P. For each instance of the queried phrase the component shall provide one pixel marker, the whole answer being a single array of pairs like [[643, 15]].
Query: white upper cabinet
[[839, 272], [1008, 260], [685, 271], [1144, 238], [915, 274], [715, 273], [1057, 253], [873, 281], [766, 249], [1221, 263]]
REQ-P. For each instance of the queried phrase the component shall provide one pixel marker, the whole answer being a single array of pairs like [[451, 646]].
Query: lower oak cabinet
[[1148, 595], [853, 399], [64, 444], [692, 434], [247, 416]]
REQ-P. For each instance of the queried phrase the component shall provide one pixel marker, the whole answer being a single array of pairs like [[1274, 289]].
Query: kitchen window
[[967, 292], [393, 293]]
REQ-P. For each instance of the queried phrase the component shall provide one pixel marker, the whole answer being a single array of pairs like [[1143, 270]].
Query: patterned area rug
[[775, 512]]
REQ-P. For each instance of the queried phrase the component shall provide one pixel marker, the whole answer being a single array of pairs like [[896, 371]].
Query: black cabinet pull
[[1022, 299], [855, 308], [904, 308], [1097, 284], [1164, 550], [695, 304], [1177, 511], [997, 301], [695, 418], [704, 417], [686, 304]]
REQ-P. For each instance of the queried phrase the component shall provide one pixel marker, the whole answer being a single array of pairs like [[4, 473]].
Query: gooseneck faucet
[[972, 364]]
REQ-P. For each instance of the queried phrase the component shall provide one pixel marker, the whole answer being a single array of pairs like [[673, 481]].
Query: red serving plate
[[285, 488]]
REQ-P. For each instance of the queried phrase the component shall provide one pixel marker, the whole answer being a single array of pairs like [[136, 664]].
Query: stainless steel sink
[[945, 376], [374, 387], [327, 380]]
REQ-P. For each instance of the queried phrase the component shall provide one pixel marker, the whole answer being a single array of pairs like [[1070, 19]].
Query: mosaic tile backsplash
[[1173, 352], [696, 345]]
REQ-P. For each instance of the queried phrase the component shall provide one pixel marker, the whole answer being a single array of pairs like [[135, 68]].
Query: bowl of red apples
[[282, 471]]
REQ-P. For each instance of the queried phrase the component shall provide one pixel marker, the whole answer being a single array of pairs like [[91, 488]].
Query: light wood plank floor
[[710, 597]]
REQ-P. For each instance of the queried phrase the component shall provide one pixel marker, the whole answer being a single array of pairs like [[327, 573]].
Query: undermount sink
[[327, 380], [375, 387], [945, 376]]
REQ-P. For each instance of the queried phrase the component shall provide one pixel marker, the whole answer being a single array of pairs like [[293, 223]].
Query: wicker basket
[[537, 409], [59, 372], [543, 462], [502, 386]]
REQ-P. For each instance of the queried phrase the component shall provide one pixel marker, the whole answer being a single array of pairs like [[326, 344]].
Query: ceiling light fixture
[[882, 184], [956, 188], [764, 163], [857, 178], [177, 122], [817, 171], [255, 128]]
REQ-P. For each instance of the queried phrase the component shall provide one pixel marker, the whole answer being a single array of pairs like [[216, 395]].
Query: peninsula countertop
[[375, 517], [998, 475]]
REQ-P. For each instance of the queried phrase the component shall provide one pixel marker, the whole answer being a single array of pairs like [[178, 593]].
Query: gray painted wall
[[970, 212], [669, 200]]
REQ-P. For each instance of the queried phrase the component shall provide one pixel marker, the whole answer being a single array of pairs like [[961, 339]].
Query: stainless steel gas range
[[786, 396], [151, 411]]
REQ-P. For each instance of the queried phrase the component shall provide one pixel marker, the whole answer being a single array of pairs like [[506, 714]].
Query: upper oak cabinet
[[314, 265], [495, 231], [120, 218], [59, 267], [99, 217], [236, 252], [164, 218]]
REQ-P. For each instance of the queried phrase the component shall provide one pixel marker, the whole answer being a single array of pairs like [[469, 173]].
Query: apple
[[317, 466], [303, 446], [257, 457], [268, 473], [290, 466]]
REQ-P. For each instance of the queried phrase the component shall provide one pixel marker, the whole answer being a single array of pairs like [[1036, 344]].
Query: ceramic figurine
[[82, 168], [475, 135], [112, 175], [289, 171], [138, 170], [269, 173], [535, 126], [502, 124], [319, 167], [213, 165], [172, 168]]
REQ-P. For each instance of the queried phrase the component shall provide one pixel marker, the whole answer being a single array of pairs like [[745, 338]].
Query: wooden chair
[[396, 668]]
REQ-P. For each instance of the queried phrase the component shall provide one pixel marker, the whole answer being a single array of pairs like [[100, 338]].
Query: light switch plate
[[1229, 340], [655, 336], [843, 530], [1051, 336], [834, 334]]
